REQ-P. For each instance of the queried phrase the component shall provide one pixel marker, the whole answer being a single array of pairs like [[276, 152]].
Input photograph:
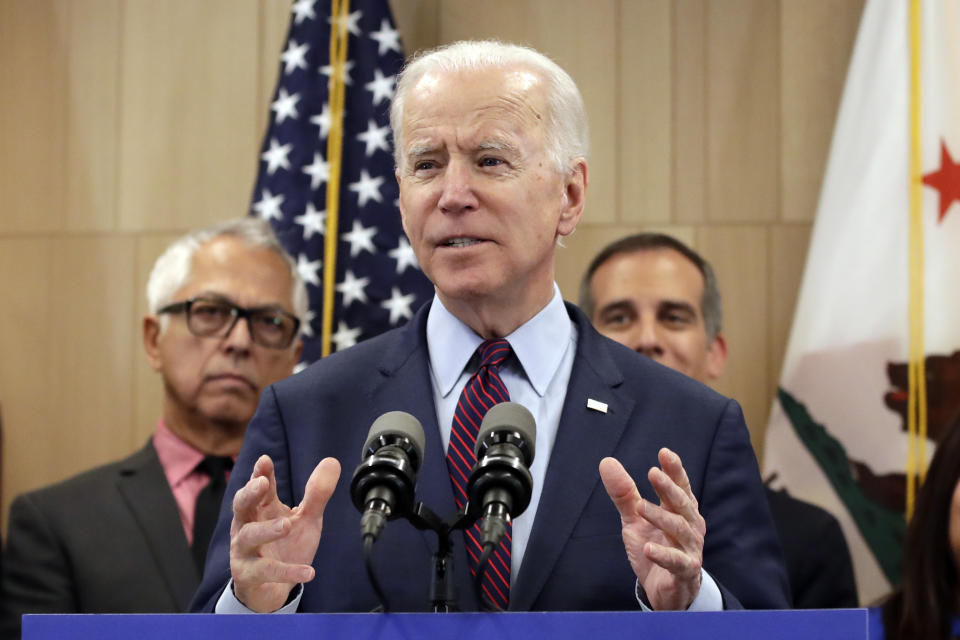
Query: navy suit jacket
[[575, 559]]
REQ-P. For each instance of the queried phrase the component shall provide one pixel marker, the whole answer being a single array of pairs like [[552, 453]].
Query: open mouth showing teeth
[[461, 242]]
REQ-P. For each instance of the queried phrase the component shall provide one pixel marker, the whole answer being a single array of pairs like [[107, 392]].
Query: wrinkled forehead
[[511, 96]]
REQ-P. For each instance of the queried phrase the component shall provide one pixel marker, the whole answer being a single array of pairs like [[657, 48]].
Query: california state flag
[[872, 370]]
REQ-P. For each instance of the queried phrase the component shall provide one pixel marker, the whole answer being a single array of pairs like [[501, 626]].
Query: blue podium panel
[[845, 624]]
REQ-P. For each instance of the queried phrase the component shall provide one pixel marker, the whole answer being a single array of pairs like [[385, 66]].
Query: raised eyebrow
[[421, 149], [497, 145]]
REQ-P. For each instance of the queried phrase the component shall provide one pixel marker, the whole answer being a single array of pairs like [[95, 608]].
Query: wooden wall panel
[[644, 141], [58, 73], [67, 367], [190, 142], [743, 107], [32, 51], [689, 108], [91, 112], [817, 43], [582, 246], [273, 25], [148, 386], [418, 22], [579, 36], [739, 257]]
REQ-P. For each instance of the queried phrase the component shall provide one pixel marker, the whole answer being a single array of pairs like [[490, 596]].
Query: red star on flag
[[946, 180]]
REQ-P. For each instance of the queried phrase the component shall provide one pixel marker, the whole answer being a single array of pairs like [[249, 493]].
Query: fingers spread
[[247, 500], [673, 560], [621, 489], [675, 527], [252, 535], [320, 486], [256, 571], [671, 496], [672, 465]]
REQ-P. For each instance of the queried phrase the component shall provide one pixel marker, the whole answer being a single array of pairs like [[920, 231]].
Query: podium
[[841, 624]]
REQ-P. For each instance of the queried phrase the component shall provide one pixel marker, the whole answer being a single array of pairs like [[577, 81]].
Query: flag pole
[[339, 37], [916, 373]]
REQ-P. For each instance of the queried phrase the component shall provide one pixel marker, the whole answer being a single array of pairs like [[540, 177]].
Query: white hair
[[566, 130], [171, 271]]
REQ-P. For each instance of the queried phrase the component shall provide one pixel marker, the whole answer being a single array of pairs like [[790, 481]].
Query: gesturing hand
[[664, 543], [272, 545]]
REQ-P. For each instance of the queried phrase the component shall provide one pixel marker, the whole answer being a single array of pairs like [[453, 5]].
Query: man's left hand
[[664, 543]]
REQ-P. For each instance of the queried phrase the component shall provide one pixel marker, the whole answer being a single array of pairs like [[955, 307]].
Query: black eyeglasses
[[269, 326]]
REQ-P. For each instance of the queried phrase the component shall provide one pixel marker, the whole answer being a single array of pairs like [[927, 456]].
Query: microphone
[[382, 487], [500, 483]]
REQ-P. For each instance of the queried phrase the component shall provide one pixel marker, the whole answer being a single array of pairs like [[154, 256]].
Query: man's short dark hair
[[710, 303]]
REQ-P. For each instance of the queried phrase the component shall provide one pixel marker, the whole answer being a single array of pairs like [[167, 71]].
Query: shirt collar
[[538, 344], [177, 458]]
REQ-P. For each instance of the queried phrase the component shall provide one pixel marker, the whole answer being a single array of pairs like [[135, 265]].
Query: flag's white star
[[268, 206], [404, 255], [312, 221], [360, 238], [319, 171], [303, 10], [309, 269], [285, 106], [399, 305], [352, 288], [345, 336], [381, 87], [352, 21], [367, 188], [306, 327], [375, 138], [387, 38], [276, 156], [327, 70], [295, 57], [322, 120]]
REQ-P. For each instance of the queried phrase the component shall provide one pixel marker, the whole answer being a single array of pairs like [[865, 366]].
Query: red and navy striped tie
[[483, 390]]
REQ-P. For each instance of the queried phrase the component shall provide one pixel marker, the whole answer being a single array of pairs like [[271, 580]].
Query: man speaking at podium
[[646, 491]]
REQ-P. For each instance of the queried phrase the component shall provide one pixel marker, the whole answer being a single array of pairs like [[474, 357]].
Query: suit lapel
[[583, 438], [405, 385], [146, 493]]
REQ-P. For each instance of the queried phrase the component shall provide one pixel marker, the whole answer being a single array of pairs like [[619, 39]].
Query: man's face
[[650, 301], [219, 379], [480, 200]]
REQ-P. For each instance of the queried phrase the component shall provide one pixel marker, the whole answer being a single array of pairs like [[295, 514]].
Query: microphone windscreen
[[508, 416], [396, 423]]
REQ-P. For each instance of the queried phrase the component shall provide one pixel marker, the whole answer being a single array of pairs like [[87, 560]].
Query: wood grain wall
[[124, 123]]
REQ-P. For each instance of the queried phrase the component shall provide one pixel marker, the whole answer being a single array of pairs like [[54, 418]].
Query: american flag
[[378, 283]]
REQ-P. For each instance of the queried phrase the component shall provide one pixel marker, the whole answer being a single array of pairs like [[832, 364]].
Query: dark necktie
[[208, 504], [483, 390]]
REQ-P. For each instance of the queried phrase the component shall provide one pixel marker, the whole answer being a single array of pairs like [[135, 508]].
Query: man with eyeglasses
[[224, 315]]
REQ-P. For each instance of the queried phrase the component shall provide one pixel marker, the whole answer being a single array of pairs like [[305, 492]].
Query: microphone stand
[[443, 592]]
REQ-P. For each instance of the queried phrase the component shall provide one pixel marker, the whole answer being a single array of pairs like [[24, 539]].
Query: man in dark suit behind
[[645, 486], [222, 325], [654, 294]]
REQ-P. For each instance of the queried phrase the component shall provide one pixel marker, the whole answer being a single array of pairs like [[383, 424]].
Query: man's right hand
[[272, 545]]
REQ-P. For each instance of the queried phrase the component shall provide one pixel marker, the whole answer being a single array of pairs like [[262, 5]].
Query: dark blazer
[[575, 558], [106, 541], [816, 553]]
